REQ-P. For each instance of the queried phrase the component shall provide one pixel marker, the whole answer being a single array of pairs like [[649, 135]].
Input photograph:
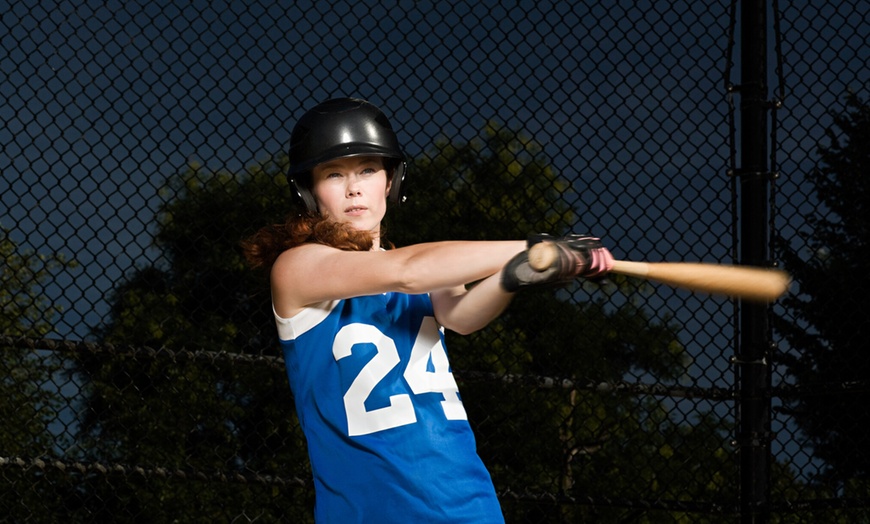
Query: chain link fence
[[141, 141]]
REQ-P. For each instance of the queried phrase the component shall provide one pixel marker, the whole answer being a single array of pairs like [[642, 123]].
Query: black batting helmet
[[337, 128]]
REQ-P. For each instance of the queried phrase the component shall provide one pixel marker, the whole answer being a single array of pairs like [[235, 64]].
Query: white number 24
[[400, 411]]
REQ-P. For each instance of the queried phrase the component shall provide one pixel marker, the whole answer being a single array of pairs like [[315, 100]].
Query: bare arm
[[315, 273], [465, 311]]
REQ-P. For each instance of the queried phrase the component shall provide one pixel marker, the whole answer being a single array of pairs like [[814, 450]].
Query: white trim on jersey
[[290, 328]]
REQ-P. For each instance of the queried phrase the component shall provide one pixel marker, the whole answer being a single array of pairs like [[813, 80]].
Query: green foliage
[[532, 381], [29, 402], [825, 324], [541, 384], [185, 403], [26, 312], [28, 405], [494, 188]]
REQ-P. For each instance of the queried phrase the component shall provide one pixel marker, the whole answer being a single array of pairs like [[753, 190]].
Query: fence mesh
[[141, 141]]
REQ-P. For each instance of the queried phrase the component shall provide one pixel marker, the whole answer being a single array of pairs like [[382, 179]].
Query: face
[[352, 189]]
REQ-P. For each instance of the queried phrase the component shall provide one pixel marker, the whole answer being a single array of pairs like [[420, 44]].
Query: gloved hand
[[578, 256]]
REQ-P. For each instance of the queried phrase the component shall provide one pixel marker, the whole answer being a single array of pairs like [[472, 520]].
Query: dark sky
[[103, 100]]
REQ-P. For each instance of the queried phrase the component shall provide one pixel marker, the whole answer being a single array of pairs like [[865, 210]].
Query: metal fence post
[[753, 370]]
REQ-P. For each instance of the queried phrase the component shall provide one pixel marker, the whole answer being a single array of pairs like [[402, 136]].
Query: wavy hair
[[263, 247]]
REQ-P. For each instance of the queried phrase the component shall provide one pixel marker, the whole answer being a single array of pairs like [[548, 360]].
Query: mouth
[[355, 210]]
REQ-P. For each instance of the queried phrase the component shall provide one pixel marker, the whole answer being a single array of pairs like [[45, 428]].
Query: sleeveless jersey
[[388, 437]]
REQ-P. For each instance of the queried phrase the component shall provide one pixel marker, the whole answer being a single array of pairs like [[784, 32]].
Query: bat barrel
[[751, 283]]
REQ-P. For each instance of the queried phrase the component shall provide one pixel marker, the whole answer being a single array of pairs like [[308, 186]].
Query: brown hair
[[263, 247]]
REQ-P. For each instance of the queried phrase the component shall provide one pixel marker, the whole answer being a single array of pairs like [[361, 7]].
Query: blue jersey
[[388, 437]]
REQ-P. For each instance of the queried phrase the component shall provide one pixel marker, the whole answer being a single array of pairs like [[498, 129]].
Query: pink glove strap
[[600, 263]]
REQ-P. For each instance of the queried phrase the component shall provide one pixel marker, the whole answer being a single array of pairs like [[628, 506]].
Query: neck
[[376, 239]]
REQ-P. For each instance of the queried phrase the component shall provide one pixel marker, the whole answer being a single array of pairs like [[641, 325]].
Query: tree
[[166, 393], [28, 400], [193, 384], [825, 324], [537, 437]]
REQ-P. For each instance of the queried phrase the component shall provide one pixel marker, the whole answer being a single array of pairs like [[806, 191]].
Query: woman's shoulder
[[299, 254]]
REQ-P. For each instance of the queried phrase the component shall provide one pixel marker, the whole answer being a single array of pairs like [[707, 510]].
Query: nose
[[353, 187]]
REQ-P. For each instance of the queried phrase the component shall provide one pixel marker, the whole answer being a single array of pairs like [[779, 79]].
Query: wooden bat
[[751, 283]]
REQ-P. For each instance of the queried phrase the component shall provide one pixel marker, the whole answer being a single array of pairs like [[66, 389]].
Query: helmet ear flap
[[399, 168], [302, 191]]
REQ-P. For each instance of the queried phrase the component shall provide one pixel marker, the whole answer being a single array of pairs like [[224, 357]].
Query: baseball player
[[362, 327]]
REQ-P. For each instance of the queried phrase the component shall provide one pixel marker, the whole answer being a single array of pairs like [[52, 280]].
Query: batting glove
[[578, 256]]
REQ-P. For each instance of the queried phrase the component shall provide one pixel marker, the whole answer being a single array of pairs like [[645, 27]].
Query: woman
[[362, 327]]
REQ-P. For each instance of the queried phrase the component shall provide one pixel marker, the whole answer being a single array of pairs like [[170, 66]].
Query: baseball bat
[[750, 283]]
